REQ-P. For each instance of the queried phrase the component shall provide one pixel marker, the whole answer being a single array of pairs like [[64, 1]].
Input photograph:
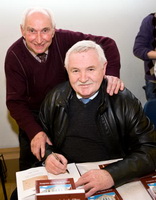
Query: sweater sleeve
[[17, 96], [68, 38], [144, 39]]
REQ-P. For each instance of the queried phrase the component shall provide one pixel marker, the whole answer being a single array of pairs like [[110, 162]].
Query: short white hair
[[83, 46], [45, 11]]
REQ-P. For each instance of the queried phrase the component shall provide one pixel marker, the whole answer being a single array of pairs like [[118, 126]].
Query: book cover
[[150, 185], [110, 194], [54, 185], [58, 189]]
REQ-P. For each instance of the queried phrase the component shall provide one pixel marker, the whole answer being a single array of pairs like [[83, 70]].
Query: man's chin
[[38, 50]]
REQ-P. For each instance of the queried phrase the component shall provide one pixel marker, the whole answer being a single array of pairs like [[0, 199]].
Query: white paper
[[26, 179]]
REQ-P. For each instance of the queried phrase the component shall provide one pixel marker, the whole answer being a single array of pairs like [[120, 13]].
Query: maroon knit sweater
[[28, 80]]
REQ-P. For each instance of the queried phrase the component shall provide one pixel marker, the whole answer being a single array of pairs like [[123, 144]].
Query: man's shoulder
[[65, 31], [60, 89], [62, 86], [125, 96], [16, 44], [68, 34]]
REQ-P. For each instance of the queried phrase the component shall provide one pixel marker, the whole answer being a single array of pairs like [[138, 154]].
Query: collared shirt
[[33, 54], [91, 98]]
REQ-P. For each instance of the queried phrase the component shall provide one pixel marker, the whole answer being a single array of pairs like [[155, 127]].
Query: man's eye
[[45, 30], [91, 69], [32, 30], [74, 70]]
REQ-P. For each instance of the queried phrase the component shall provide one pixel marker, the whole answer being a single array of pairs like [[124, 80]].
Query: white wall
[[118, 19]]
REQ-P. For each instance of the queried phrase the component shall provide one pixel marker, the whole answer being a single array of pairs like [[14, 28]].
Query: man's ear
[[104, 68], [22, 31], [53, 32]]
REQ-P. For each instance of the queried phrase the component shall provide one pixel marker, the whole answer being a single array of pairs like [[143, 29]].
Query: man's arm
[[138, 141], [65, 39], [143, 41], [17, 95], [17, 103]]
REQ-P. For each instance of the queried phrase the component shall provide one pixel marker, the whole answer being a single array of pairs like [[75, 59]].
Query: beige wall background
[[118, 19]]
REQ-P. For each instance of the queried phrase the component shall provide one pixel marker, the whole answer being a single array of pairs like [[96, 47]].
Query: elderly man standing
[[102, 128], [34, 64]]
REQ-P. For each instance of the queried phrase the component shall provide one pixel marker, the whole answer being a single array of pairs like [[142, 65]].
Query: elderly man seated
[[102, 128]]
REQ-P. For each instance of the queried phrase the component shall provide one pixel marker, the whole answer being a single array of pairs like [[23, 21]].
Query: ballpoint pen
[[57, 158]]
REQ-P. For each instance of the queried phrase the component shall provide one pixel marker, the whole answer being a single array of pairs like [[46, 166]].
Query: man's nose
[[83, 77], [39, 38]]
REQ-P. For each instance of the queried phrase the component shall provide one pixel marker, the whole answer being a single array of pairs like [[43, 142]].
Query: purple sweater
[[28, 81], [145, 42]]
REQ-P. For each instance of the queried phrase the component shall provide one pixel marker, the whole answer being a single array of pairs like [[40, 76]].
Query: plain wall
[[118, 19]]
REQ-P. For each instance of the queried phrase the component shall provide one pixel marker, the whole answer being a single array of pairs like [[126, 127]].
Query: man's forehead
[[38, 25], [87, 53], [37, 17]]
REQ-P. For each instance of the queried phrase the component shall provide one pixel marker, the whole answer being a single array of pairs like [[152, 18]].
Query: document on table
[[26, 179]]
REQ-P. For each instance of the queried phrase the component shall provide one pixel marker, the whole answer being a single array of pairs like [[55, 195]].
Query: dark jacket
[[120, 119]]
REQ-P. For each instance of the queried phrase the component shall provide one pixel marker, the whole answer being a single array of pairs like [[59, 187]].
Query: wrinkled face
[[38, 32], [85, 72]]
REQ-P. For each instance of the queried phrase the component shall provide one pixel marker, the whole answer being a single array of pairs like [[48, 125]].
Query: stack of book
[[149, 183]]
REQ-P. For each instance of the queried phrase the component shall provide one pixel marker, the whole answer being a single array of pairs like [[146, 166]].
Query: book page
[[26, 179]]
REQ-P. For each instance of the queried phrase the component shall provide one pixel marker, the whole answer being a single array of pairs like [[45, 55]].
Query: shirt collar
[[92, 97]]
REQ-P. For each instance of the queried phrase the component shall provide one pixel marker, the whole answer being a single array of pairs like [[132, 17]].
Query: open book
[[27, 179]]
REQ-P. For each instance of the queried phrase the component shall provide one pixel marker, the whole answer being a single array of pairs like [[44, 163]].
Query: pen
[[57, 158]]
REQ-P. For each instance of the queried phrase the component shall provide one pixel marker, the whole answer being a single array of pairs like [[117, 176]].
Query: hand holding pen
[[57, 158], [56, 164]]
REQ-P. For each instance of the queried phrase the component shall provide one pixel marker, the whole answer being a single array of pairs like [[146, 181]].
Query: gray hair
[[83, 46], [45, 11]]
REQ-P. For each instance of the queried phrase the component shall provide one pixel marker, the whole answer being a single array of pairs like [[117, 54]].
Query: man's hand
[[95, 180], [114, 85], [38, 144], [56, 166]]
